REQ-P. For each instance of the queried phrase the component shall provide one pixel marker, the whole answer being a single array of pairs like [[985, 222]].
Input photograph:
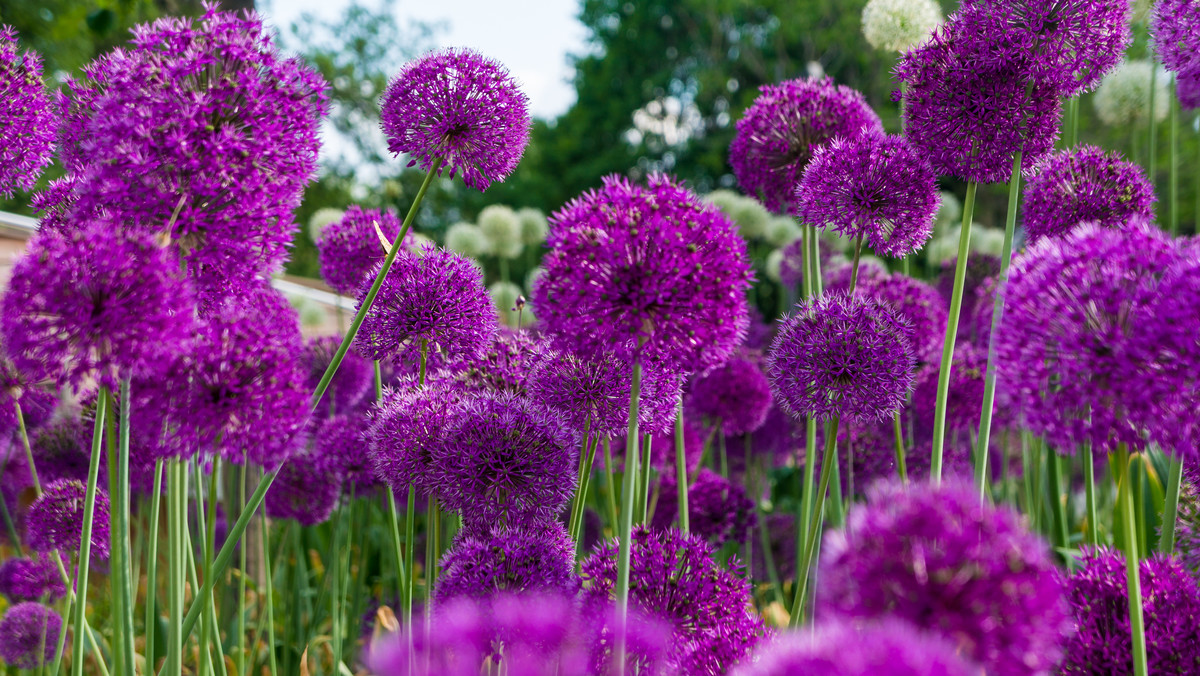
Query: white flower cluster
[[1124, 95], [896, 25]]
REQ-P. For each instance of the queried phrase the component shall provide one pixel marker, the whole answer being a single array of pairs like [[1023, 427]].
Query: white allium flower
[[774, 261], [504, 298], [782, 231], [468, 240], [896, 25], [747, 213], [534, 226], [503, 229], [1123, 97], [988, 241], [320, 219], [532, 276], [949, 212]]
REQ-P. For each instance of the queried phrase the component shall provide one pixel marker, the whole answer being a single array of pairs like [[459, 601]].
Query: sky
[[531, 37]]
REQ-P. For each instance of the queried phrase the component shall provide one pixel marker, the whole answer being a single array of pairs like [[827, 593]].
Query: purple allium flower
[[59, 452], [872, 186], [839, 648], [964, 399], [457, 106], [55, 520], [781, 534], [1084, 185], [431, 297], [672, 577], [1101, 643], [27, 137], [1187, 88], [95, 303], [505, 461], [779, 132], [24, 579], [791, 266], [970, 117], [662, 386], [480, 564], [935, 556], [204, 127], [918, 304], [591, 392], [845, 357], [736, 393], [978, 294], [341, 442], [349, 249], [781, 436], [248, 393], [307, 488], [1175, 29], [29, 635], [406, 430], [354, 380], [505, 365], [1079, 342], [37, 404], [718, 509], [837, 273], [654, 264]]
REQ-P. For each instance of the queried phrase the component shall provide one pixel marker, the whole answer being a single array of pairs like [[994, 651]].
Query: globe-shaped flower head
[[844, 357], [406, 430], [1175, 28], [508, 560], [871, 186], [349, 248], [351, 384], [936, 557], [896, 25], [1123, 98], [24, 579], [459, 107], [919, 304], [652, 265], [1084, 185], [55, 520], [591, 393], [431, 299], [737, 394], [29, 635], [307, 488], [1102, 643], [94, 303], [781, 129], [27, 138], [341, 441]]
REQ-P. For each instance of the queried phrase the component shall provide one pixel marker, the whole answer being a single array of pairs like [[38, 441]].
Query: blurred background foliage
[[659, 86]]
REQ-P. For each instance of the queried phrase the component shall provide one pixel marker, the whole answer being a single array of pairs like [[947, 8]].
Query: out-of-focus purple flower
[[505, 461], [873, 186], [662, 386], [351, 384], [781, 534], [307, 488], [662, 448], [1187, 88], [27, 137], [432, 298], [718, 509], [938, 558], [840, 648], [1175, 29], [349, 249], [1084, 185], [1101, 643], [837, 274], [203, 132], [918, 304], [481, 564], [407, 428], [978, 294], [791, 266], [457, 106], [591, 392], [341, 441], [55, 520], [58, 451], [24, 579], [505, 365], [37, 404], [673, 578], [736, 393], [94, 303], [964, 399], [29, 635], [654, 271], [842, 356], [777, 135]]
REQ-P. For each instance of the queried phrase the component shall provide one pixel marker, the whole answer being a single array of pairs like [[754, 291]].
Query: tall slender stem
[[1137, 625], [120, 534], [85, 541], [610, 484], [241, 604], [804, 564], [1152, 159], [175, 563], [585, 483], [580, 496], [270, 596], [943, 383], [858, 243], [626, 517], [1172, 168], [152, 563], [1166, 540], [1089, 487], [901, 468], [1057, 509], [681, 474]]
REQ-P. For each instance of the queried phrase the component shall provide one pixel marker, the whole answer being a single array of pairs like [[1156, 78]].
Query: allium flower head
[[964, 399], [27, 138], [407, 429], [896, 25], [341, 442], [307, 488], [349, 248], [1187, 88], [871, 186], [351, 384], [29, 635], [938, 558], [919, 305], [1101, 643], [508, 560], [506, 365], [58, 450], [978, 289], [1123, 98], [786, 123], [747, 213], [460, 107], [842, 356], [55, 520], [431, 297], [737, 393], [502, 228], [656, 264], [839, 648], [673, 578], [1084, 185], [590, 392], [718, 509], [24, 579], [534, 226], [94, 303], [506, 461], [1175, 29]]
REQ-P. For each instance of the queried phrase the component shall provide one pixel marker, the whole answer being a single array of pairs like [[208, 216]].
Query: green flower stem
[[176, 499], [335, 571], [854, 265], [122, 585], [943, 383], [807, 502], [900, 464], [1057, 508], [724, 458], [804, 564], [1089, 487], [989, 384], [579, 498], [207, 510], [643, 495], [85, 542], [433, 521], [610, 485], [1172, 168], [764, 537], [152, 561], [25, 444], [1132, 564], [681, 473], [586, 461], [270, 595], [837, 506], [241, 606], [8, 522], [1152, 160], [1072, 122], [410, 518], [624, 535], [1166, 540]]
